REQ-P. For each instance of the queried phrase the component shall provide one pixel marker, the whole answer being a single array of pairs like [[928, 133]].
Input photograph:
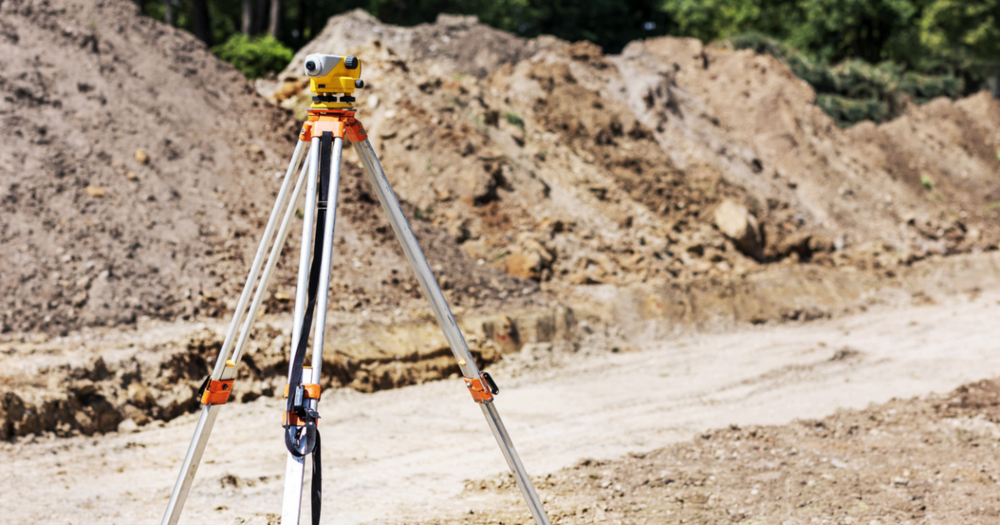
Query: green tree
[[871, 30], [962, 29], [711, 20]]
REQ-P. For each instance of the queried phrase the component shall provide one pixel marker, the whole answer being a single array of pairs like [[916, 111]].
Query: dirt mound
[[521, 162], [139, 171], [125, 190], [535, 170], [671, 163], [924, 183]]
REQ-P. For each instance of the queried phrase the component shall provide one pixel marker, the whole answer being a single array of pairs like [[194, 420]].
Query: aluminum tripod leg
[[291, 507], [295, 467], [429, 285], [209, 412]]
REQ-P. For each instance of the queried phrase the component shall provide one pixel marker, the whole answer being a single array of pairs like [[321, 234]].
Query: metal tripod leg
[[373, 169], [291, 508], [295, 467], [209, 412]]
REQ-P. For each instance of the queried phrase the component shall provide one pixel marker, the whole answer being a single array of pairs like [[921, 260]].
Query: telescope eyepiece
[[310, 66]]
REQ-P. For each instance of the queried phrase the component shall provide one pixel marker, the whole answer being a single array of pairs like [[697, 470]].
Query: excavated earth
[[567, 199], [551, 186], [922, 460]]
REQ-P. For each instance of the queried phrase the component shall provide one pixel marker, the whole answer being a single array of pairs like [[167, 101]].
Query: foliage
[[962, 28], [715, 19], [856, 90], [255, 57], [872, 30], [884, 50], [608, 23], [955, 38]]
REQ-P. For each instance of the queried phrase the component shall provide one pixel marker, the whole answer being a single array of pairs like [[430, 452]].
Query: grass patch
[[514, 119]]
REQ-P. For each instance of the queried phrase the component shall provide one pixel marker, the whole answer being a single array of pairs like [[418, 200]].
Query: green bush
[[255, 57], [856, 90], [760, 43], [850, 110], [925, 87]]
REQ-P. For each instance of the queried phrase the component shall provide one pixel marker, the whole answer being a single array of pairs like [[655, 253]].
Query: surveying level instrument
[[332, 80]]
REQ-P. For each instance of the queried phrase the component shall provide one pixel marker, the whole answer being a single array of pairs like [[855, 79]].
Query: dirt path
[[407, 453]]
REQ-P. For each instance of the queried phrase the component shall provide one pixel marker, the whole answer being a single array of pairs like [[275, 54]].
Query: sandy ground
[[407, 454]]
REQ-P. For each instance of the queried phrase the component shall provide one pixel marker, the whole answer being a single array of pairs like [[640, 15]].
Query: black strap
[[304, 440], [317, 482]]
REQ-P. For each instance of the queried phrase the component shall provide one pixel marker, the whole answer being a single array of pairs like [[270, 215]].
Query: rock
[[139, 395], [803, 245], [128, 426], [503, 332], [141, 156], [443, 195], [530, 259], [737, 223], [458, 231], [131, 175], [80, 299], [136, 415], [96, 191]]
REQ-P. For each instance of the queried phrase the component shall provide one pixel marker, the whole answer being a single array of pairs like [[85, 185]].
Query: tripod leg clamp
[[482, 388], [356, 132], [311, 391], [216, 392], [302, 392]]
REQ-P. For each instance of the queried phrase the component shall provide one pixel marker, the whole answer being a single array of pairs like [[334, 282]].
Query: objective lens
[[310, 66]]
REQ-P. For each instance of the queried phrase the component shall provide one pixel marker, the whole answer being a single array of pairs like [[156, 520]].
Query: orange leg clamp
[[291, 417], [217, 392], [356, 132], [479, 389], [306, 134], [311, 391]]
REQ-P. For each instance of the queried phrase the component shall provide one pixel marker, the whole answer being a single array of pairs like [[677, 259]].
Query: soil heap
[[139, 171], [136, 170], [672, 162]]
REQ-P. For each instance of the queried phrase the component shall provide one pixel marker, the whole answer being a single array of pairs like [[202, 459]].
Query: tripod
[[330, 121]]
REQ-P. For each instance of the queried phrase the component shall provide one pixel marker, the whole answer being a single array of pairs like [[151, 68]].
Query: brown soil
[[925, 460], [565, 198], [126, 193], [525, 165], [522, 162], [91, 382], [568, 167], [421, 454]]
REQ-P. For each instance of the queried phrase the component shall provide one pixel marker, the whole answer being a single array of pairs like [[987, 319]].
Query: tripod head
[[330, 75]]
